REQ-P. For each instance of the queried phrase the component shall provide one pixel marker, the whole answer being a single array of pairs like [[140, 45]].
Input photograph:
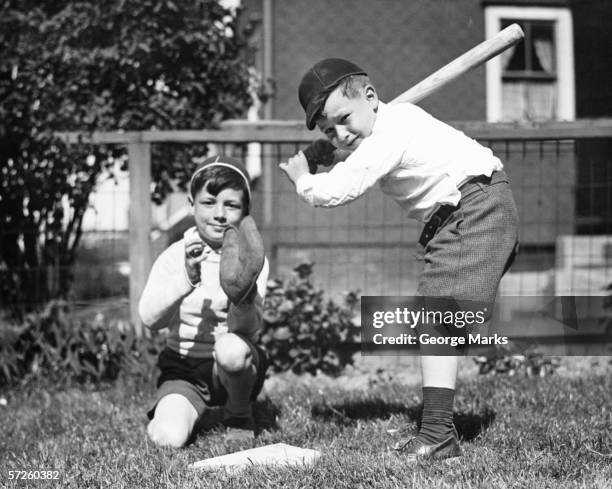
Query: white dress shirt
[[419, 161]]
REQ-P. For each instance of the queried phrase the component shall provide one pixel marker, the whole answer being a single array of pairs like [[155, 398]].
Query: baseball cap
[[323, 77], [222, 161]]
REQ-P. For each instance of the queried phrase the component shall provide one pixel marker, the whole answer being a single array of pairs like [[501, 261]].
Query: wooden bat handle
[[471, 59]]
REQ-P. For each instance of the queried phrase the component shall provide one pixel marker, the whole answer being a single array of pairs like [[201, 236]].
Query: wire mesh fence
[[560, 176]]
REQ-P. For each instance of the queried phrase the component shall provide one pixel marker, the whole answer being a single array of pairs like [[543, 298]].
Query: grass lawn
[[518, 432]]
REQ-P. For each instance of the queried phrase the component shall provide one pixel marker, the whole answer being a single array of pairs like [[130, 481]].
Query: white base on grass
[[277, 454]]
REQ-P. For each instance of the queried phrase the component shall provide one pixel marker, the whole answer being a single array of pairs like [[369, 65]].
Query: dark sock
[[437, 420]]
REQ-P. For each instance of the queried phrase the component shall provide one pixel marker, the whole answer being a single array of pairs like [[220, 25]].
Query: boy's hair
[[350, 87], [221, 174], [353, 85]]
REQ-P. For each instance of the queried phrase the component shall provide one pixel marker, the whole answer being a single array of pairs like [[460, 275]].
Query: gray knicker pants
[[472, 249], [466, 252]]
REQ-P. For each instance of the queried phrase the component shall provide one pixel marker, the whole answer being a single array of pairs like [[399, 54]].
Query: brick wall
[[397, 42]]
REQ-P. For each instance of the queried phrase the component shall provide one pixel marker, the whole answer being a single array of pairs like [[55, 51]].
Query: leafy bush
[[304, 332], [50, 345]]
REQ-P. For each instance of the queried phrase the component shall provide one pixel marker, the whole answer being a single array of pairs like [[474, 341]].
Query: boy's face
[[214, 213], [348, 121]]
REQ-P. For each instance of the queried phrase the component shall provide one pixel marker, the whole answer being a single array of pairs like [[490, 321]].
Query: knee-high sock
[[437, 420], [239, 387]]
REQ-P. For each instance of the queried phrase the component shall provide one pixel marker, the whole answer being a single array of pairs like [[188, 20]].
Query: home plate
[[277, 454]]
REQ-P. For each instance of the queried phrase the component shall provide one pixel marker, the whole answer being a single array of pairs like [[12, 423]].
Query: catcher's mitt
[[242, 258]]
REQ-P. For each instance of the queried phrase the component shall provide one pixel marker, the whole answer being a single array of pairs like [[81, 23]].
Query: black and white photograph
[[327, 244]]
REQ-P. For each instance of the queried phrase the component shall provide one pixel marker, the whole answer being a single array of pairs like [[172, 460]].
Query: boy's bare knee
[[169, 438], [174, 419], [232, 353], [167, 435]]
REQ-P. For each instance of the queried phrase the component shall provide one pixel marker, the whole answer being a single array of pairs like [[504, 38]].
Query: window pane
[[534, 55], [543, 47], [529, 100]]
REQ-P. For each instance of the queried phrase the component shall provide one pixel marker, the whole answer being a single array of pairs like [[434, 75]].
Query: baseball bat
[[469, 60]]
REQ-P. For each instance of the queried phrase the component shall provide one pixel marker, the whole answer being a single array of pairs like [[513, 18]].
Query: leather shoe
[[415, 449], [239, 429]]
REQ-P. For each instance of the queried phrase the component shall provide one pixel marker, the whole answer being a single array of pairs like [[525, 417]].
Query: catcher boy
[[208, 290], [438, 176]]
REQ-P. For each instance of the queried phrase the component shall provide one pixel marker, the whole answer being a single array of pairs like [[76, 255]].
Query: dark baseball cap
[[323, 77]]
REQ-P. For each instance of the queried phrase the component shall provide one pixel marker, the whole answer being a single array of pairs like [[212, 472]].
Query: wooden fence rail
[[235, 131]]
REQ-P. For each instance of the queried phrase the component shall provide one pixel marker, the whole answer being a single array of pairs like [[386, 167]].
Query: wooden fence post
[[139, 155]]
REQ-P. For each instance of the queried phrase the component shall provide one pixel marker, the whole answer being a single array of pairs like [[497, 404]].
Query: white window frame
[[564, 49]]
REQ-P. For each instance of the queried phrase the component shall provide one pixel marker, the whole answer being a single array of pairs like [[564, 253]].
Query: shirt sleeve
[[166, 287], [375, 157], [247, 318]]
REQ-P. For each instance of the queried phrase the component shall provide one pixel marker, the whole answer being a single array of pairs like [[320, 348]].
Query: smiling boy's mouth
[[351, 143], [217, 227]]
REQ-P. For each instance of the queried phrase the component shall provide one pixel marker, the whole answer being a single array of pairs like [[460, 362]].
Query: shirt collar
[[380, 113]]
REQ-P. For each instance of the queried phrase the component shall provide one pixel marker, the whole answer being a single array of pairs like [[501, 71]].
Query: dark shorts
[[471, 249], [194, 378]]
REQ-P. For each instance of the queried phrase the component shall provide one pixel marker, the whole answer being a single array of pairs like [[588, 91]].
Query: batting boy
[[438, 176], [208, 290]]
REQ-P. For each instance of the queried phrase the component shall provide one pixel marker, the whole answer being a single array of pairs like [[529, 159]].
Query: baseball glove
[[242, 258], [319, 153]]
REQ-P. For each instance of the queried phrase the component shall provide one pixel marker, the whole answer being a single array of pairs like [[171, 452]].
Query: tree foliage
[[84, 66]]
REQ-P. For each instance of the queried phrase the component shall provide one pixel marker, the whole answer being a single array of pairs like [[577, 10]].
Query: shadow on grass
[[469, 424], [265, 413]]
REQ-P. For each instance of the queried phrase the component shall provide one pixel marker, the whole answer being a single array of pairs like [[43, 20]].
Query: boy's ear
[[370, 94]]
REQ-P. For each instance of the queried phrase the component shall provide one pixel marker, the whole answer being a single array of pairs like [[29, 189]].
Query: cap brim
[[311, 115]]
